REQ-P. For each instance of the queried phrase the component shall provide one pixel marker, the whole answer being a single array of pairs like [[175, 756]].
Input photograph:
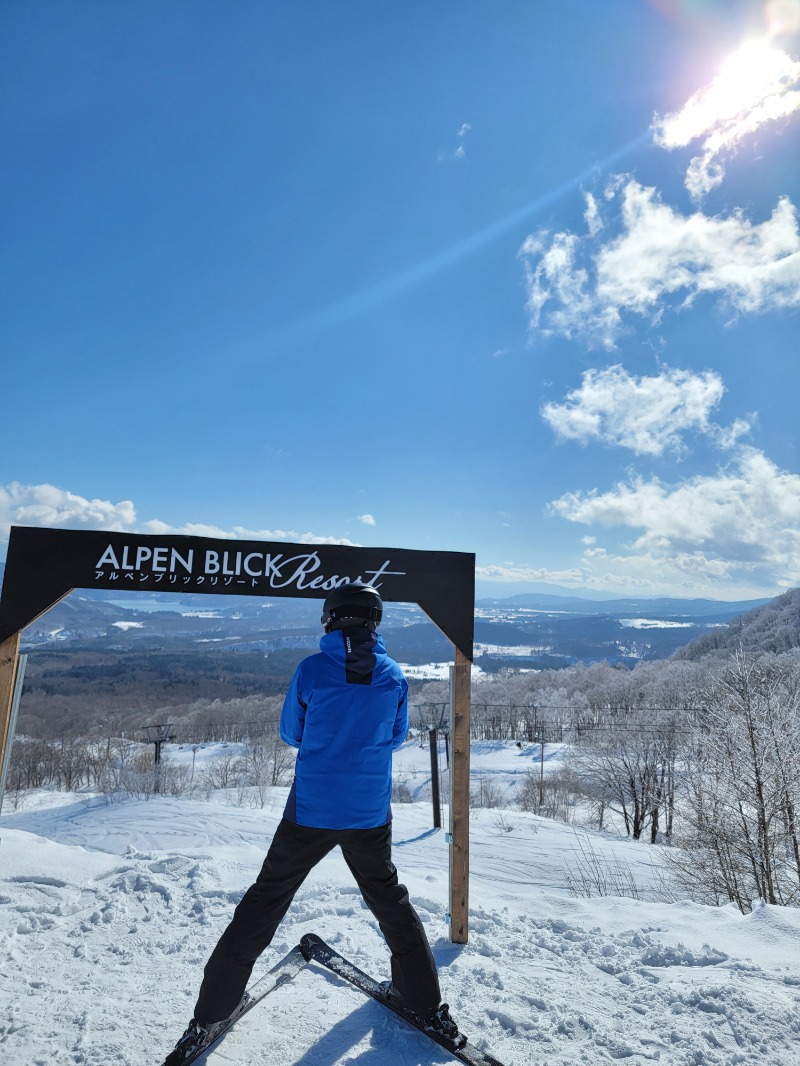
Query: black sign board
[[43, 565]]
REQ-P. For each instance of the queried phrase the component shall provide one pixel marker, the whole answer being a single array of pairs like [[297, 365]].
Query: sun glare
[[782, 16], [754, 73]]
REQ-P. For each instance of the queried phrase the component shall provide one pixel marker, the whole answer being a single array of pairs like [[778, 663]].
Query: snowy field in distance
[[108, 912]]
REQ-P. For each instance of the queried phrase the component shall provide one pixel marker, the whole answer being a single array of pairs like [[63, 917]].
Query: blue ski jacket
[[346, 710]]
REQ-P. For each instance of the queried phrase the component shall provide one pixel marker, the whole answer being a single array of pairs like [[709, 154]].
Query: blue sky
[[520, 279]]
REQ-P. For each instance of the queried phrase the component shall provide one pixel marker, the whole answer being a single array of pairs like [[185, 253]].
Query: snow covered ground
[[108, 912]]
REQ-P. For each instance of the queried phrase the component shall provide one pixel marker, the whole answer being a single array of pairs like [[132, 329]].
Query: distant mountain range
[[489, 590], [530, 629], [667, 606]]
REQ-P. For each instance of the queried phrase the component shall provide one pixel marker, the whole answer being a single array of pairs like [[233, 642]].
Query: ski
[[317, 950], [285, 970]]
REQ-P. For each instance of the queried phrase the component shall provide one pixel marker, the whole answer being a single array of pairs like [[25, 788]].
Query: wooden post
[[459, 801], [9, 650]]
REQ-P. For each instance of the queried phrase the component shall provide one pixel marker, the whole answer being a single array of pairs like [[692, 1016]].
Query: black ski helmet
[[352, 605]]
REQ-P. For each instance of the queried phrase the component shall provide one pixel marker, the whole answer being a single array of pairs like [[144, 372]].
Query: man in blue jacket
[[346, 711]]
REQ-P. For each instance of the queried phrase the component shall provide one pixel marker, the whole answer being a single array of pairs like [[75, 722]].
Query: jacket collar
[[333, 643]]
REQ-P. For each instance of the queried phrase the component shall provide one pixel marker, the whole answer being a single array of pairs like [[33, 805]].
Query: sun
[[757, 78], [753, 72], [756, 85]]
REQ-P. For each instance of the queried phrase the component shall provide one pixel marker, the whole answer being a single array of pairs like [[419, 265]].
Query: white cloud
[[647, 574], [513, 572], [754, 266], [559, 297], [592, 216], [754, 86], [684, 574], [648, 414], [582, 287], [459, 152], [741, 525], [200, 529], [48, 505], [367, 519], [53, 507]]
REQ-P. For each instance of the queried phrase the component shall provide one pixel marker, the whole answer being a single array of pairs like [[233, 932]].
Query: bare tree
[[225, 771]]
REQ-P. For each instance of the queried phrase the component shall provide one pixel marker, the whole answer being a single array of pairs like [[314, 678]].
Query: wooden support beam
[[9, 656], [459, 800]]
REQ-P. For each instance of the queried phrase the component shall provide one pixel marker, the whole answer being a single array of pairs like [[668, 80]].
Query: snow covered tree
[[742, 786], [628, 744]]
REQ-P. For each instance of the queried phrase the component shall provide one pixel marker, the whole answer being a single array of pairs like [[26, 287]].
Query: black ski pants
[[294, 851]]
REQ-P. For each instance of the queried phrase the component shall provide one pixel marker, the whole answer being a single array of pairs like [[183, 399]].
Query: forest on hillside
[[88, 691], [774, 627]]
